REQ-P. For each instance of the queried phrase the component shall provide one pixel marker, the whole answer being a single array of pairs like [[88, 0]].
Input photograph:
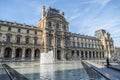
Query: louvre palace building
[[26, 42]]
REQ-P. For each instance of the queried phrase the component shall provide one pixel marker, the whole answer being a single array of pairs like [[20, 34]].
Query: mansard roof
[[52, 12], [4, 22], [85, 36]]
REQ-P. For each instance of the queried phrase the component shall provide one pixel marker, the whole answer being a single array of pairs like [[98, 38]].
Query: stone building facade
[[25, 42], [116, 56]]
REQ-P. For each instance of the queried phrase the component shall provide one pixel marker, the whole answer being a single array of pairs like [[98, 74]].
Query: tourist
[[107, 61]]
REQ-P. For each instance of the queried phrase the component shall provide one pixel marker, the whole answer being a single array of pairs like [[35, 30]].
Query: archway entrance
[[90, 54], [86, 54], [28, 53], [58, 55], [93, 54], [8, 52], [82, 56], [37, 53], [18, 53]]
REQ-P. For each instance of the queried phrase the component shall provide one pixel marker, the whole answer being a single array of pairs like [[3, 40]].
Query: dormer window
[[57, 26]]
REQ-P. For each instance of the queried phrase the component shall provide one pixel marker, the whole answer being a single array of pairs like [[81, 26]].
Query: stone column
[[98, 55], [23, 54], [95, 54], [79, 54], [23, 39], [13, 52], [88, 56], [54, 48], [91, 54], [2, 52], [64, 55], [13, 39], [75, 55], [32, 54], [84, 55]]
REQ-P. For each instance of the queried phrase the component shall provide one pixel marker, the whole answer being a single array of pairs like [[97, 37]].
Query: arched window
[[57, 26], [82, 54]]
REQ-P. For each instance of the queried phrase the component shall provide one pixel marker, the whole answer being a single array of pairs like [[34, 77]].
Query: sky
[[84, 16]]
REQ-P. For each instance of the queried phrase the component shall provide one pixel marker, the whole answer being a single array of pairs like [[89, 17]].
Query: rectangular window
[[64, 27], [49, 24], [27, 31], [9, 28], [27, 40], [35, 32], [19, 30], [35, 41], [57, 26], [58, 42], [18, 39], [78, 45], [81, 44], [73, 44], [8, 38], [50, 41]]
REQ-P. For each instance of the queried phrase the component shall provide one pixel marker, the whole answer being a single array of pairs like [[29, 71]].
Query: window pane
[[27, 40], [57, 26], [35, 41], [18, 39], [19, 30], [9, 28], [8, 38], [49, 24], [27, 31]]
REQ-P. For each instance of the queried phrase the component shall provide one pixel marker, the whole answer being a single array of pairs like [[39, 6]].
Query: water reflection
[[58, 71]]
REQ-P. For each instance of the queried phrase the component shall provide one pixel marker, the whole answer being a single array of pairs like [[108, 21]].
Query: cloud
[[98, 14], [84, 16]]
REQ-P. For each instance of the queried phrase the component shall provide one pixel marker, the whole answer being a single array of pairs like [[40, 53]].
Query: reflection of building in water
[[47, 72], [22, 42]]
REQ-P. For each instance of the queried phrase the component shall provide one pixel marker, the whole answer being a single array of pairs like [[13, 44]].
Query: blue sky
[[84, 16]]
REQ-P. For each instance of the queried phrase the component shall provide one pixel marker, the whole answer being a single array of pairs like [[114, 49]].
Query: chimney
[[43, 11]]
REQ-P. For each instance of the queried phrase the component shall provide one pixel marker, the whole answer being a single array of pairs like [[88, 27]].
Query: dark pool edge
[[103, 73], [92, 71], [13, 74]]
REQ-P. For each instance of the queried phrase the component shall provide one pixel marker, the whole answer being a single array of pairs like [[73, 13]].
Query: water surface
[[69, 70]]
